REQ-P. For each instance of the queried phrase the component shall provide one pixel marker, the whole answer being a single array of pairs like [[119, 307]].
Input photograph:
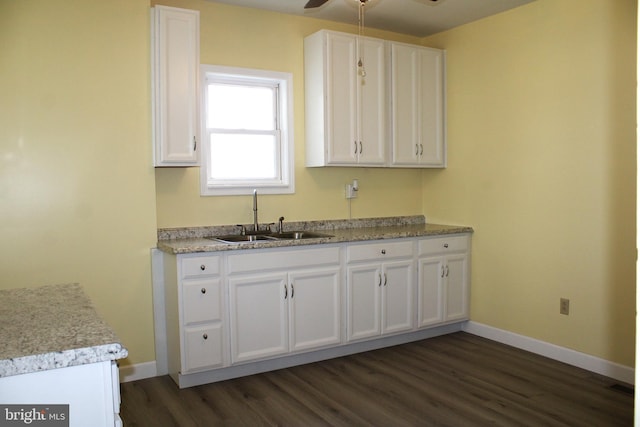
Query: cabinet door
[[314, 308], [175, 56], [430, 287], [363, 299], [417, 117], [258, 316], [456, 289], [372, 103], [340, 75], [397, 299], [405, 105]]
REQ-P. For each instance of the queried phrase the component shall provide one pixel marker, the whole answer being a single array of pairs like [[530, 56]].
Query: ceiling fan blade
[[314, 3]]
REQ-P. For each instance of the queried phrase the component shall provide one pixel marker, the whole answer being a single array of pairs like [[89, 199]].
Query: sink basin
[[297, 235], [236, 238], [287, 235]]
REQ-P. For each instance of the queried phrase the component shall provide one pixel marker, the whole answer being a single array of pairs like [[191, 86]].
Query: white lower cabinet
[[379, 289], [283, 301], [443, 280], [227, 309]]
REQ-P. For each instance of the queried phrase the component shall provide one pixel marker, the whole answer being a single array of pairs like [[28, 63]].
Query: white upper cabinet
[[390, 112], [175, 54], [346, 109], [417, 106]]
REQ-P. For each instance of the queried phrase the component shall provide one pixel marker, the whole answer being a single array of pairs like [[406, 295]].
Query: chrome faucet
[[255, 210]]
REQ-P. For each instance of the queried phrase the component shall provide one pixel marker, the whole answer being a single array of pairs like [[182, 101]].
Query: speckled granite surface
[[198, 239], [51, 327]]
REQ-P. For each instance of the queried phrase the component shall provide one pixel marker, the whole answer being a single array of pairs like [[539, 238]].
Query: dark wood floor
[[454, 380]]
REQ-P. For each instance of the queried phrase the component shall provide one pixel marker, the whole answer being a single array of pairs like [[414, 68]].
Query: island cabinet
[[379, 288], [283, 300], [443, 279], [195, 313], [346, 105], [57, 359], [417, 106], [175, 55]]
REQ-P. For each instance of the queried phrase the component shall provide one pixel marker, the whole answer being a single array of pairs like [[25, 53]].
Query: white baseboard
[[571, 357], [139, 371]]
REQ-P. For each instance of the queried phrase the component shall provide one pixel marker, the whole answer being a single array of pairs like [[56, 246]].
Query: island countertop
[[49, 327], [200, 239]]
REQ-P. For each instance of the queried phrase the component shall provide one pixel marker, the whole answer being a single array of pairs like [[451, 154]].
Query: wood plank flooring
[[453, 380]]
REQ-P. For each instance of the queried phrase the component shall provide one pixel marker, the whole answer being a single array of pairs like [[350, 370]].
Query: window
[[247, 118]]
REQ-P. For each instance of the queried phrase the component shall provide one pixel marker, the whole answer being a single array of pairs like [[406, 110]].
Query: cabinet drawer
[[380, 251], [200, 266], [442, 245], [202, 347], [279, 259], [201, 301]]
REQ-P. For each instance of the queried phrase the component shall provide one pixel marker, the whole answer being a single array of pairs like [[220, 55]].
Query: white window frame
[[284, 81]]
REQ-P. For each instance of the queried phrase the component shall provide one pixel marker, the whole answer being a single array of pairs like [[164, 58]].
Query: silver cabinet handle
[[286, 291], [203, 290], [383, 252], [446, 245], [442, 271], [447, 268], [356, 145], [379, 279], [195, 143], [421, 149], [385, 279], [360, 147], [292, 290], [205, 336], [203, 267], [416, 149]]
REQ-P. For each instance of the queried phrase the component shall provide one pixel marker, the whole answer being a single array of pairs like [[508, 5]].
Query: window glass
[[247, 125]]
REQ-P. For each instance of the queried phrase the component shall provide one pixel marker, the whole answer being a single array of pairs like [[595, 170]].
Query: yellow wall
[[541, 159], [542, 163], [244, 37], [77, 199]]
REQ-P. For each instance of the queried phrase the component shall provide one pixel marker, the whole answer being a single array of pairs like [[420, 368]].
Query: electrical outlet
[[564, 306], [350, 192]]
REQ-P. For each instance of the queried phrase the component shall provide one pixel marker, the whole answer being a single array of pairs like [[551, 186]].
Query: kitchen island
[[56, 350]]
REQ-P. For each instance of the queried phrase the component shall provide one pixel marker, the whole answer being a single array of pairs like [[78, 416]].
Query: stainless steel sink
[[297, 235], [287, 235], [247, 238]]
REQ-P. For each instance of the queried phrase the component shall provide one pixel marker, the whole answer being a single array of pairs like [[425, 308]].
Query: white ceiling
[[414, 17]]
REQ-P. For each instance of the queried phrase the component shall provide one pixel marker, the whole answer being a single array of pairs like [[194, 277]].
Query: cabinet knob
[[446, 245], [203, 267], [383, 252], [203, 290], [205, 336]]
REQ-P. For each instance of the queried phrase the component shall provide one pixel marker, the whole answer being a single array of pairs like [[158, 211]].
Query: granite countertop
[[198, 239], [50, 327]]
